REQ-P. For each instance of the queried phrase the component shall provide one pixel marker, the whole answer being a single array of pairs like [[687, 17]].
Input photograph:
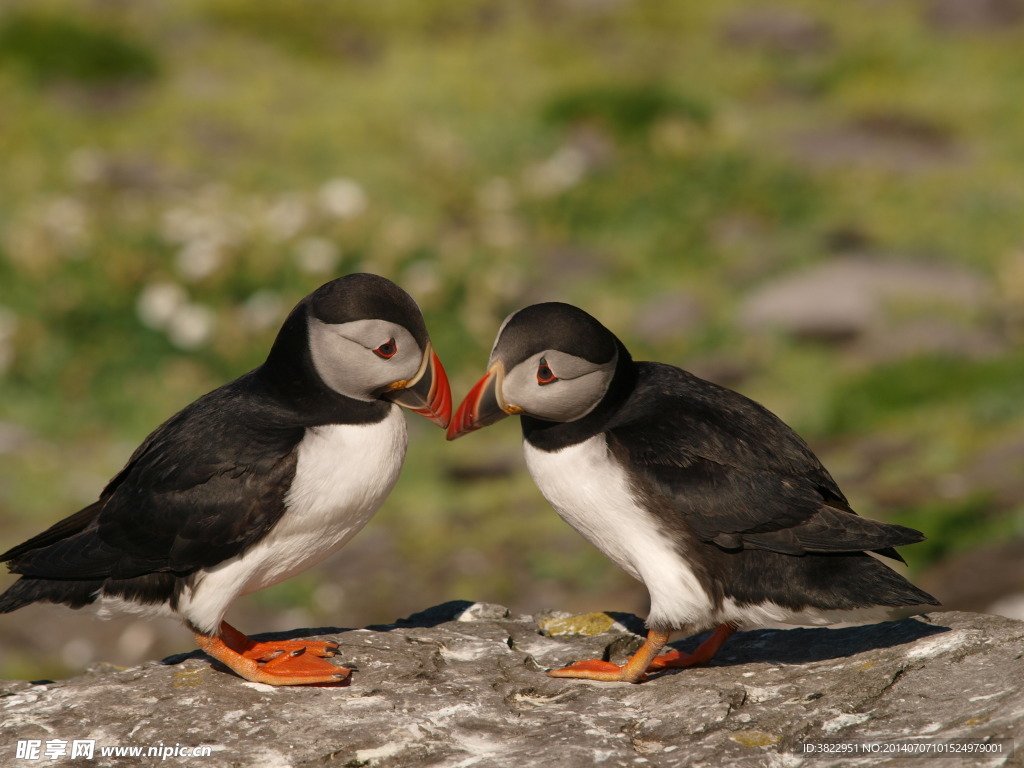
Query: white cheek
[[344, 359], [558, 402], [578, 390], [564, 400]]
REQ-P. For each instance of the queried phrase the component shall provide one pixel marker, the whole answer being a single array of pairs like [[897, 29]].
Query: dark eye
[[544, 373], [387, 349]]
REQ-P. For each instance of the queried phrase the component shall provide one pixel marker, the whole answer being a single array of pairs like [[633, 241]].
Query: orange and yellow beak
[[427, 393], [483, 406]]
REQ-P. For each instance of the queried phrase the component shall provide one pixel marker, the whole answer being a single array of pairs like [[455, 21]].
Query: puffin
[[254, 482], [718, 507]]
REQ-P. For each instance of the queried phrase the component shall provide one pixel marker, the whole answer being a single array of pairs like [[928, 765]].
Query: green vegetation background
[[177, 174]]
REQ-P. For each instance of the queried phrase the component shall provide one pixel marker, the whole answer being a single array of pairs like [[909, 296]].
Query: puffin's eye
[[544, 373], [386, 350]]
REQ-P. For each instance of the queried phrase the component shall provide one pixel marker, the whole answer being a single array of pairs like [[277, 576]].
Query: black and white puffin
[[253, 482], [709, 499]]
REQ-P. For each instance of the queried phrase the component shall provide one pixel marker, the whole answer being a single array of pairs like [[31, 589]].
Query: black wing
[[202, 488], [734, 474]]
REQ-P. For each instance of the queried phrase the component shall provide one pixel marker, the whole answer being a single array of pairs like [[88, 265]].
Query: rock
[[997, 471], [988, 577], [850, 296], [13, 438], [668, 317], [975, 15], [777, 30], [436, 689], [889, 142], [1011, 606]]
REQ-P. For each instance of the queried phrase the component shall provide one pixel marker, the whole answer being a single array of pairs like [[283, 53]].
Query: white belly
[[592, 493], [343, 475]]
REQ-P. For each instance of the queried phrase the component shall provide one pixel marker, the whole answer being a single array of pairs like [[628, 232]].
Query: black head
[[363, 296], [550, 361], [363, 338], [552, 326]]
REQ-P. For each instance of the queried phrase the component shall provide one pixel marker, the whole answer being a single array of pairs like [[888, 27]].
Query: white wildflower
[[86, 165], [286, 217], [66, 219], [560, 172], [179, 225], [343, 198], [206, 217], [262, 310], [200, 258], [159, 302], [421, 279], [191, 326], [316, 255]]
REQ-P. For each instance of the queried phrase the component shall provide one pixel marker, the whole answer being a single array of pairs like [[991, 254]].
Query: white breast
[[343, 475], [592, 493]]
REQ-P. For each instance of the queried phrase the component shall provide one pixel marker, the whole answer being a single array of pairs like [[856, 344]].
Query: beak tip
[[480, 408], [457, 425], [429, 394], [438, 415]]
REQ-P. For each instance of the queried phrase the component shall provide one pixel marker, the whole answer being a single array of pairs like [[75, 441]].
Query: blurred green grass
[[49, 48], [184, 172]]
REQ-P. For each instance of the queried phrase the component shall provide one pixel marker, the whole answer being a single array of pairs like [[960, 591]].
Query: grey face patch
[[580, 385], [344, 358]]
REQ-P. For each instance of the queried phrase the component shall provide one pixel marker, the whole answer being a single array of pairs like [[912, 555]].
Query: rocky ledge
[[463, 684]]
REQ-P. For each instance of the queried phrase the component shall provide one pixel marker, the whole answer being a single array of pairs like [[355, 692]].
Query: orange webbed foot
[[283, 662], [646, 660], [596, 669], [298, 667], [276, 648], [673, 660]]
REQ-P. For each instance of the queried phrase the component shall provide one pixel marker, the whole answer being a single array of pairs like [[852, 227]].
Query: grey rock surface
[[778, 30], [463, 684], [853, 296]]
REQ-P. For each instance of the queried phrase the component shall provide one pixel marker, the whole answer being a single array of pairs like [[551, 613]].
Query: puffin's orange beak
[[483, 406], [427, 393]]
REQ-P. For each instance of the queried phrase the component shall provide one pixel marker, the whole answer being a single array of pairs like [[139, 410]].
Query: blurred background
[[819, 204]]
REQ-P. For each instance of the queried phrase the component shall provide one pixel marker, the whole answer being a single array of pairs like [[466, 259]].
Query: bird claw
[[271, 649]]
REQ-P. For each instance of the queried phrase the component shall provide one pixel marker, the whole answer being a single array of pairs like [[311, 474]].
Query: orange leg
[[646, 659], [633, 671], [284, 662], [701, 655]]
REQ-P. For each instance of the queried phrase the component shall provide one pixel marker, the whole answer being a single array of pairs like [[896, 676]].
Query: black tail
[[834, 581], [26, 590], [60, 530], [72, 592]]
